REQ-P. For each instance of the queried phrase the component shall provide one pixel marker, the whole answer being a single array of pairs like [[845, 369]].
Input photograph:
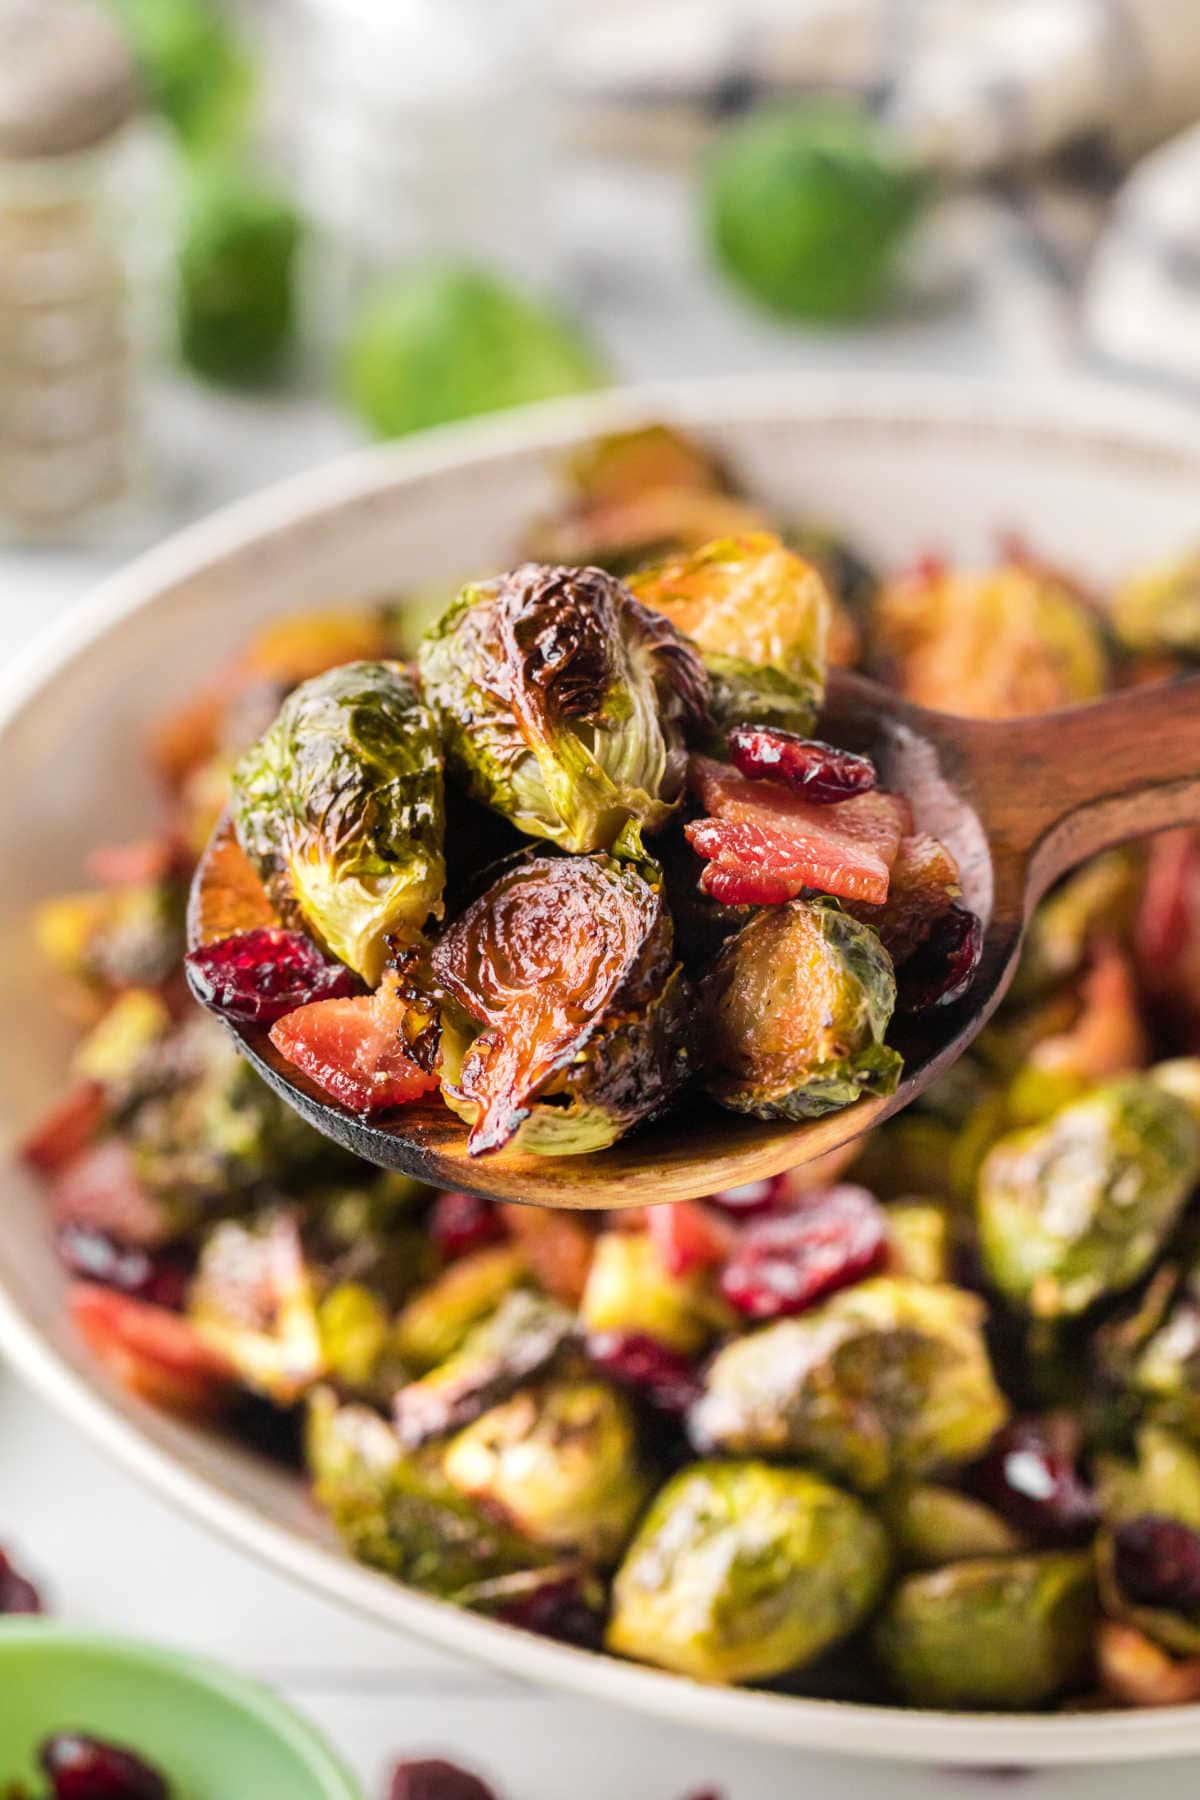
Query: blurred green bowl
[[213, 1734]]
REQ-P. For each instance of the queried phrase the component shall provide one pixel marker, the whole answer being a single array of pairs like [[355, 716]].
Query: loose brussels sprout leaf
[[888, 1378], [741, 1571], [797, 1006], [436, 1321], [629, 1290], [919, 1239], [523, 1335], [566, 965], [340, 809], [1077, 1208], [563, 703], [1158, 611], [932, 1525], [1164, 1479], [561, 1461], [1001, 1633]]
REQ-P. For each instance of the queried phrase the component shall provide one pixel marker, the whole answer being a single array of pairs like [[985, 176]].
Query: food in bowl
[[919, 1425], [80, 1767]]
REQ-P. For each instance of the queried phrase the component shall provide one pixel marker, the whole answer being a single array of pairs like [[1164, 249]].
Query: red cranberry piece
[[787, 1261], [436, 1780], [1028, 1473], [939, 970], [559, 1610], [16, 1594], [636, 1360], [752, 1198], [83, 1768], [461, 1223], [261, 975], [820, 772], [1157, 1562], [160, 1276]]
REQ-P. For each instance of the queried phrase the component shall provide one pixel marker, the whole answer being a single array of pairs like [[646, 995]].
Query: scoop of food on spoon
[[557, 953]]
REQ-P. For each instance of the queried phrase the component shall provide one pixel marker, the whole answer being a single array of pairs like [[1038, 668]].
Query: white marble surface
[[108, 1553]]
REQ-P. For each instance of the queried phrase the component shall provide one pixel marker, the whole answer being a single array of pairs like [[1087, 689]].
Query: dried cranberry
[[786, 1261], [16, 1594], [83, 1768], [560, 1610], [939, 970], [436, 1780], [461, 1223], [820, 772], [1157, 1562], [659, 1374], [259, 976], [1028, 1473], [752, 1198], [160, 1276]]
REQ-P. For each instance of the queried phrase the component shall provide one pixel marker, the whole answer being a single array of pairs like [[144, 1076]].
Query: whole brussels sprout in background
[[563, 703], [888, 1378], [796, 1007], [740, 1571], [340, 808], [192, 66], [1157, 612], [237, 273], [1001, 1633], [446, 342], [1078, 1208]]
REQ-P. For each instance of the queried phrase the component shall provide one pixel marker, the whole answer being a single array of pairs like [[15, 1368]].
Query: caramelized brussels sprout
[[796, 1007], [253, 1299], [889, 1378], [1001, 1633], [340, 809], [436, 1321], [566, 964], [630, 1290], [561, 1462], [932, 1525], [1077, 1208], [523, 1335], [741, 1571], [563, 703], [1157, 612]]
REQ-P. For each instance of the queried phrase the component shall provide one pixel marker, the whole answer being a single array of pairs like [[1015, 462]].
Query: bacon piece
[[356, 1049]]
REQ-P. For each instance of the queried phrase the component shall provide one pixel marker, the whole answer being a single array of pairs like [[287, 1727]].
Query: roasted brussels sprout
[[889, 1378], [1157, 612], [566, 964], [932, 1525], [563, 703], [561, 1462], [920, 1240], [339, 807], [253, 1299], [741, 1571], [1001, 1633], [629, 1290], [1077, 1208], [796, 1009], [436, 1321], [1164, 1478], [518, 1340]]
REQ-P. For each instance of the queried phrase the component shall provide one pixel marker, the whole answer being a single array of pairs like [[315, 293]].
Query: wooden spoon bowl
[[1018, 802]]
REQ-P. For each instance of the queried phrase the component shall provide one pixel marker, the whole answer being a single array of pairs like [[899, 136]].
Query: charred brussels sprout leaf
[[889, 1378], [741, 1571], [566, 965], [1001, 1633], [1077, 1208], [561, 1461], [797, 1007], [340, 808], [563, 703]]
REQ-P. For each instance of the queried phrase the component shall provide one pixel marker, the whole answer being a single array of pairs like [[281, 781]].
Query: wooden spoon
[[1018, 802]]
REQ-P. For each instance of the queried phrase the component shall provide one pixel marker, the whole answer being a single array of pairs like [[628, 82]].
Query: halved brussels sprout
[[253, 1298], [339, 806], [741, 1571], [1002, 1633], [932, 1525], [1157, 612], [566, 964], [797, 1006], [561, 1462], [563, 703], [518, 1340], [436, 1321], [1077, 1208], [888, 1378], [629, 1289]]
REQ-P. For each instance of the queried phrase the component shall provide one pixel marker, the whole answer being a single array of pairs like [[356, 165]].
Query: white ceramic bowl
[[1098, 480]]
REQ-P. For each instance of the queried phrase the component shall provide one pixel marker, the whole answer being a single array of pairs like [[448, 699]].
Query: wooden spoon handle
[[1057, 788]]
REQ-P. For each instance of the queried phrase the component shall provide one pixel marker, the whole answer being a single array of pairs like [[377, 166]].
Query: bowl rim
[[1073, 415], [237, 1693]]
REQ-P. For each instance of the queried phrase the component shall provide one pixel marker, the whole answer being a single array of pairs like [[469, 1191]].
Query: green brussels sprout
[[193, 68], [561, 1462], [520, 1339], [1166, 1372], [563, 703], [919, 1239], [340, 809], [740, 1571], [1164, 1479], [629, 1289], [566, 1016], [807, 207], [442, 342], [355, 1330], [797, 1006], [1157, 612], [1001, 1633], [253, 1299], [887, 1379], [436, 1321], [237, 273], [932, 1525], [1077, 1208], [1100, 896]]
